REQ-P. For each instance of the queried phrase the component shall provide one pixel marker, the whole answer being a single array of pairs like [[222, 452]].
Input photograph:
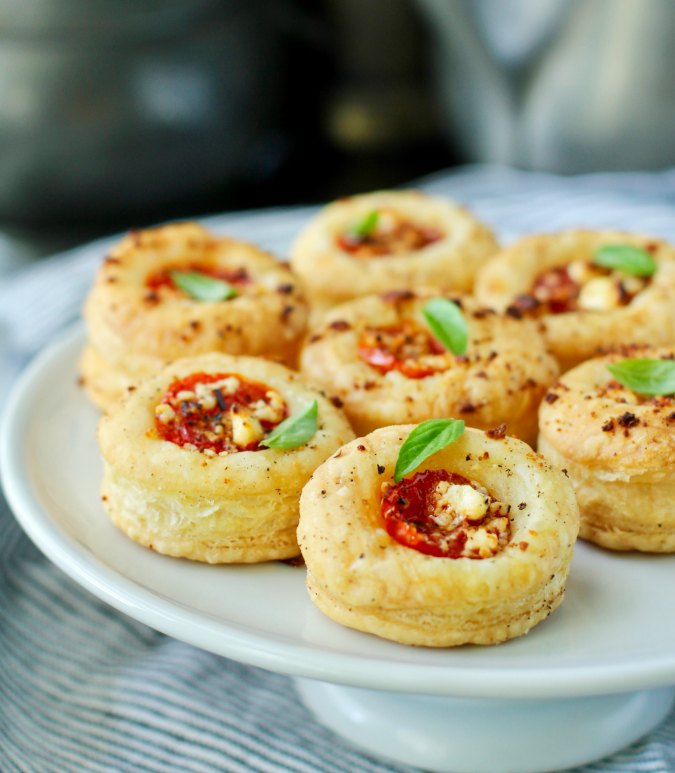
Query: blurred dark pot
[[112, 107]]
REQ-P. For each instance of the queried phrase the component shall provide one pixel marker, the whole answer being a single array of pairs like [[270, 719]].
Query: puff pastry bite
[[387, 240], [473, 547], [618, 447], [186, 472], [585, 307], [380, 361], [139, 318]]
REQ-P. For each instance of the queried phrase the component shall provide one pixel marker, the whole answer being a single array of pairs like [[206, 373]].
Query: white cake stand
[[593, 678]]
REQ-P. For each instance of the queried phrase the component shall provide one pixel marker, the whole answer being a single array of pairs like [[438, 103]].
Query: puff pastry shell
[[619, 452], [133, 332], [502, 378], [242, 507], [331, 275], [578, 335], [359, 576]]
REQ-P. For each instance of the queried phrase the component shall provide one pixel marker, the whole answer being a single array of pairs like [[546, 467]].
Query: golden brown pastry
[[379, 359], [618, 448], [138, 318], [387, 240], [584, 308], [473, 547], [186, 472]]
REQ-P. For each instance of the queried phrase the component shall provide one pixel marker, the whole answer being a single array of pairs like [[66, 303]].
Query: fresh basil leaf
[[625, 257], [294, 431], [447, 323], [366, 225], [646, 377], [426, 439], [202, 287]]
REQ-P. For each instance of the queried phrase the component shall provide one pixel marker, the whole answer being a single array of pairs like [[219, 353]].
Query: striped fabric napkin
[[84, 688]]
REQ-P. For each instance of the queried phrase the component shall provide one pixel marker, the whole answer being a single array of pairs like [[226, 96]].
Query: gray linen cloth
[[84, 688]]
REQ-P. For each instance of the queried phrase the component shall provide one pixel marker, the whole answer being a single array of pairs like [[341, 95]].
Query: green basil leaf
[[625, 257], [646, 377], [447, 323], [366, 225], [294, 431], [426, 439], [202, 287]]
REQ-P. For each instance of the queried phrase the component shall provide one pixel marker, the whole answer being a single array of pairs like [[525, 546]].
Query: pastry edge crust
[[429, 628]]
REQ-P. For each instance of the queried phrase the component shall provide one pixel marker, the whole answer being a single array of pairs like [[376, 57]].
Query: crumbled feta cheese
[[228, 386], [600, 294], [463, 500], [633, 284], [580, 271], [482, 542], [246, 429], [165, 413], [186, 394]]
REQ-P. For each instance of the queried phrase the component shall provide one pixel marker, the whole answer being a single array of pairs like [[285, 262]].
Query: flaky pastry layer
[[239, 507], [578, 335], [619, 451], [361, 577], [331, 275], [132, 331], [502, 378]]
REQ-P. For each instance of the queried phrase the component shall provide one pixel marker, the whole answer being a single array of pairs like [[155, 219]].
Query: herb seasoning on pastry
[[590, 289], [207, 459], [436, 537], [382, 241], [408, 356], [178, 291], [610, 422]]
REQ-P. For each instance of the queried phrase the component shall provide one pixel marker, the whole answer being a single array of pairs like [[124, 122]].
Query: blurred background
[[118, 114]]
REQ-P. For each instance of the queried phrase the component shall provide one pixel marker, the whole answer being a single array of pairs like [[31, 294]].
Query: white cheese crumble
[[462, 500], [165, 413], [600, 294], [246, 429]]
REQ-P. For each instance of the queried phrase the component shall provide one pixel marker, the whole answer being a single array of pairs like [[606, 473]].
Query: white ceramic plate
[[615, 631]]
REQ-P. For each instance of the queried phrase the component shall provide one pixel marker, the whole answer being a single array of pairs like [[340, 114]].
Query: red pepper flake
[[628, 420], [497, 433], [523, 545], [360, 447], [608, 426], [467, 407], [551, 397], [398, 296], [340, 324], [671, 417], [482, 313], [522, 505], [485, 455], [408, 514], [337, 402]]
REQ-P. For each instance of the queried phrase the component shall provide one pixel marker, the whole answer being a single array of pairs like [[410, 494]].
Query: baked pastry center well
[[218, 413], [391, 234], [444, 514], [579, 285]]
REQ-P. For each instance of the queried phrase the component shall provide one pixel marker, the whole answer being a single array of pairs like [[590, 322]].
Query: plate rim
[[235, 641]]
